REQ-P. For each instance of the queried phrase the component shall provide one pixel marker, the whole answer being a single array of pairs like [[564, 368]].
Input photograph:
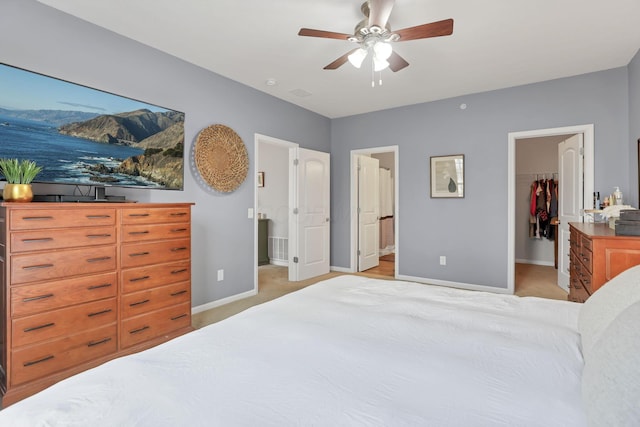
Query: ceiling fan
[[373, 35]]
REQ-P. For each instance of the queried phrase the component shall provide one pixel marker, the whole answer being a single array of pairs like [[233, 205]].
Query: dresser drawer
[[155, 215], [69, 262], [586, 243], [586, 258], [152, 299], [65, 321], [31, 299], [157, 323], [577, 294], [139, 254], [144, 232], [39, 240], [34, 362], [140, 278], [30, 219]]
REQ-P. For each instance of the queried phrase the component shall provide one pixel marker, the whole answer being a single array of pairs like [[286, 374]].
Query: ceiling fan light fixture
[[379, 64], [382, 50], [357, 57]]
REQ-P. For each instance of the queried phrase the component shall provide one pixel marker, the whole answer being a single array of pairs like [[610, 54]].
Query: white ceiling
[[495, 44]]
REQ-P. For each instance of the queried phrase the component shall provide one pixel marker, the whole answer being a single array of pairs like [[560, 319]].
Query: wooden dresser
[[85, 283], [598, 255]]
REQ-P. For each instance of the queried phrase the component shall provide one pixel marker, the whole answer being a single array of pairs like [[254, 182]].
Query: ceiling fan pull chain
[[380, 76], [373, 73]]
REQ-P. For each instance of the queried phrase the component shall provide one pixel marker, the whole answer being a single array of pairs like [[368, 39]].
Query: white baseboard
[[341, 269], [458, 285], [223, 301], [278, 262], [535, 262]]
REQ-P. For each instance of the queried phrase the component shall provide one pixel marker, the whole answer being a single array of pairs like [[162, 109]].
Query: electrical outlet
[[443, 260], [220, 275]]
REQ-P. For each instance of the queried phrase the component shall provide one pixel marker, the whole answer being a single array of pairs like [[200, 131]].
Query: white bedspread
[[349, 351]]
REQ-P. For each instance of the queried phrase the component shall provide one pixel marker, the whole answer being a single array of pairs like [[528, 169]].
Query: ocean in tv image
[[84, 136]]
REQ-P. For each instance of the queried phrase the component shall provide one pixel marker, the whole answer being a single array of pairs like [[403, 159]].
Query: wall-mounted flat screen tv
[[85, 136]]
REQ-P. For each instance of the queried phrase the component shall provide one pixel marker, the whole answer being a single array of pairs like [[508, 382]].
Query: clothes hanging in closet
[[543, 207]]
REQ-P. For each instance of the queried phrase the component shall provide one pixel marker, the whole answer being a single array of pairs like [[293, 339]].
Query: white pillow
[[606, 304], [611, 376]]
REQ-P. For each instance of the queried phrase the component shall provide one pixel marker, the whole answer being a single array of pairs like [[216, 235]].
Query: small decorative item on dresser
[[19, 175]]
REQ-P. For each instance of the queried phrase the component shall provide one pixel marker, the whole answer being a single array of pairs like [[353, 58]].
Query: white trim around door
[[353, 266], [588, 133]]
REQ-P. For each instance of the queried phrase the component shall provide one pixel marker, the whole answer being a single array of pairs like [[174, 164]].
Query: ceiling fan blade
[[397, 62], [434, 29], [379, 12], [324, 34], [340, 61]]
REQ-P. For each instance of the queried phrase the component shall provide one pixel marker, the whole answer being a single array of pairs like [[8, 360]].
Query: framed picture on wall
[[447, 176]]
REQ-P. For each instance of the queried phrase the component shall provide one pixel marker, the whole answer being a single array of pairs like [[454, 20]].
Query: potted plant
[[19, 175]]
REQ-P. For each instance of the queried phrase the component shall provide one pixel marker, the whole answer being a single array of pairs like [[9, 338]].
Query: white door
[[368, 212], [570, 199], [309, 224]]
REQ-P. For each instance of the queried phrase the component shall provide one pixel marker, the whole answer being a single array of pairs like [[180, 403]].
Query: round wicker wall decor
[[221, 158]]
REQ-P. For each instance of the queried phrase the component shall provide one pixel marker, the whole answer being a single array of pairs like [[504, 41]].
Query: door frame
[[258, 138], [353, 267], [588, 182]]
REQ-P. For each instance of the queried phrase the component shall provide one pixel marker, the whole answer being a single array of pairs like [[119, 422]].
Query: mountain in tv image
[[160, 134]]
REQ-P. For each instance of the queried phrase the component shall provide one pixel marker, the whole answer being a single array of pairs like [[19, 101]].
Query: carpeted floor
[[531, 280]]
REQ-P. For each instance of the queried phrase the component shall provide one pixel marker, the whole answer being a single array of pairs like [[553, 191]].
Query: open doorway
[[374, 207], [543, 164], [291, 211], [272, 209]]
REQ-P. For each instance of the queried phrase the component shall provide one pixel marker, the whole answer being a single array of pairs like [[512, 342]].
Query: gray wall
[[634, 128], [472, 232], [42, 39]]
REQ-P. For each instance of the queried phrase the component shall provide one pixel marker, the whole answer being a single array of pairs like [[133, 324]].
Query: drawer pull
[[95, 236], [139, 254], [104, 285], [108, 310], [178, 230], [37, 218], [102, 258], [181, 248], [138, 279], [35, 328], [178, 214], [133, 304], [39, 297], [175, 294], [133, 233], [44, 239], [44, 359], [179, 317], [37, 267], [97, 216], [182, 270], [102, 341], [137, 331], [139, 215]]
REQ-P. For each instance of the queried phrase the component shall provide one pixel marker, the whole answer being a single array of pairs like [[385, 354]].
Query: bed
[[353, 351]]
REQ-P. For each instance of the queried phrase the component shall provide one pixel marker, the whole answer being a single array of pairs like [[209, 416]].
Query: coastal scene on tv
[[85, 136]]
